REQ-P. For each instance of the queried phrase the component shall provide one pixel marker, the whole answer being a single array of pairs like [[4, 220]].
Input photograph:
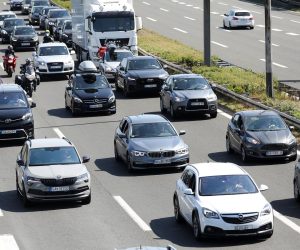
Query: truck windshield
[[113, 23]]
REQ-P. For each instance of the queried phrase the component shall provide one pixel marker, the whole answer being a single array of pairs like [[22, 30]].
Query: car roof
[[13, 18], [187, 76], [41, 45], [54, 9], [7, 13], [8, 87], [140, 57], [217, 168], [257, 112], [50, 142], [146, 118]]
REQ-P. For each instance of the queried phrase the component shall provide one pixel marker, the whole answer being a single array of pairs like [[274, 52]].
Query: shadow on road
[[288, 207], [12, 143], [63, 113]]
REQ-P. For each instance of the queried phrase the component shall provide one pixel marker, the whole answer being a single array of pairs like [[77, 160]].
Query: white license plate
[[197, 103], [0, 39], [96, 106], [274, 153], [150, 86], [25, 44], [244, 227], [54, 189], [55, 67], [162, 161], [5, 132]]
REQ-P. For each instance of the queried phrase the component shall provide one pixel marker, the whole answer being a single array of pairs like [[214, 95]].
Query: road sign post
[[268, 51], [206, 23]]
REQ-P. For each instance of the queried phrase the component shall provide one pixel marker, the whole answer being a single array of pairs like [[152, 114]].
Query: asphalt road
[[183, 20], [105, 224]]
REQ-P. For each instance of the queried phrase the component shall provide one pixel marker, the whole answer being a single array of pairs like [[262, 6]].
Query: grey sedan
[[149, 141], [187, 93]]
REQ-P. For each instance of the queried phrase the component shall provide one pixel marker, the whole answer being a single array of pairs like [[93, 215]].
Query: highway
[[127, 209], [182, 20]]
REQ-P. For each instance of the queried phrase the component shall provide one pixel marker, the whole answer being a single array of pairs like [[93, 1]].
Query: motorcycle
[[28, 80], [48, 39], [9, 64]]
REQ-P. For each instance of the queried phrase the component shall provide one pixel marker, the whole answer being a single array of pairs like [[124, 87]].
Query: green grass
[[64, 3]]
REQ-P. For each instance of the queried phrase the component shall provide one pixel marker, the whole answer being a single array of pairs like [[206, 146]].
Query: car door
[[23, 155], [182, 199], [121, 73], [166, 92], [237, 132], [122, 138]]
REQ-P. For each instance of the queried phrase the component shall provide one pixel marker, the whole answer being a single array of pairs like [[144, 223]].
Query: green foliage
[[64, 3]]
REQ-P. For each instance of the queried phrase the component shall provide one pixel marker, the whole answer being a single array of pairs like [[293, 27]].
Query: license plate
[[150, 80], [54, 189], [274, 153], [5, 132], [25, 44], [55, 67], [244, 227], [197, 103], [162, 161], [150, 86], [96, 106]]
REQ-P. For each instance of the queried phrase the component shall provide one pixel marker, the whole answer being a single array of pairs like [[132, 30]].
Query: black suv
[[24, 37], [89, 91], [8, 26], [16, 120]]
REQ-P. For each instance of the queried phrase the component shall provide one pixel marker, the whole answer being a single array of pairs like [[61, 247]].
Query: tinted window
[[57, 14], [53, 50], [264, 123], [242, 13], [25, 31], [2, 17], [40, 3], [11, 100], [36, 10], [190, 84], [158, 129], [142, 64], [90, 81], [68, 25], [115, 23], [15, 22]]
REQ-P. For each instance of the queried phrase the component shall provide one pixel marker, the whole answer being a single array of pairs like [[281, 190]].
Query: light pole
[[206, 23], [268, 51]]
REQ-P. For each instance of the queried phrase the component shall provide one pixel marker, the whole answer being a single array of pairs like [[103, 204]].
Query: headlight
[[212, 98], [3, 32], [27, 116], [32, 180], [130, 78], [179, 99], [138, 153], [78, 100], [182, 151], [266, 210], [83, 177], [51, 23], [252, 140], [14, 39], [41, 63], [112, 98], [163, 76], [292, 140], [210, 214], [26, 7]]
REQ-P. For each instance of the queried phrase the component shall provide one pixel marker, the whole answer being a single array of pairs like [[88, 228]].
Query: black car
[[53, 14], [66, 33], [38, 3], [16, 120], [8, 26], [89, 91], [24, 37], [57, 27], [34, 16], [260, 134], [43, 14], [25, 7], [140, 74], [296, 182], [16, 4]]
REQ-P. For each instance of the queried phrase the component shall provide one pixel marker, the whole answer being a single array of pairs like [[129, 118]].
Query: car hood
[[94, 93], [267, 137], [56, 58], [52, 171], [149, 73], [157, 143], [113, 64], [239, 203], [194, 94], [13, 113]]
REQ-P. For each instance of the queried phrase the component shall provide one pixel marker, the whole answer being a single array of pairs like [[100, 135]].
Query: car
[[296, 181], [140, 74], [34, 17], [25, 7], [260, 134], [89, 91], [43, 14], [16, 119], [24, 37], [109, 62], [6, 14], [238, 18], [34, 3], [50, 169], [53, 59], [57, 27], [188, 93], [8, 26], [15, 4], [52, 15], [150, 141], [65, 34], [221, 199]]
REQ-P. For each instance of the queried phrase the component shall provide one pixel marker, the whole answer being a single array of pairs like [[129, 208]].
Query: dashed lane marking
[[256, 12], [279, 30], [260, 25], [214, 13], [286, 221], [146, 3], [189, 5], [164, 10], [273, 44], [219, 44], [292, 34], [8, 242], [180, 30], [151, 19], [182, 3], [277, 17], [225, 4], [276, 64], [236, 7], [58, 132], [294, 21], [189, 18], [1, 65]]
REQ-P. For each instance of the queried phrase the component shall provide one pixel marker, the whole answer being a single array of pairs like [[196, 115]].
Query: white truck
[[97, 22]]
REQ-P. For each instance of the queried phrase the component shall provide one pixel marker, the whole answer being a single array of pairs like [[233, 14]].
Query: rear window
[[244, 13]]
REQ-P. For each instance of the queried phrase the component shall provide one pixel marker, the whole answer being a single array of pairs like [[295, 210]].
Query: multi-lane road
[[183, 20], [127, 209]]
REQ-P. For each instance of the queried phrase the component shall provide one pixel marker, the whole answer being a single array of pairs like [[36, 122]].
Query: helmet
[[47, 32], [10, 47], [28, 61]]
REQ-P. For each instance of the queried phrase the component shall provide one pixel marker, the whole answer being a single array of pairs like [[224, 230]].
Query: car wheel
[[87, 200], [196, 226], [177, 213], [251, 27], [296, 191], [224, 26], [17, 186], [117, 157], [244, 154], [173, 112], [213, 114], [118, 89], [126, 90], [66, 106], [129, 165], [162, 108], [26, 202], [228, 146], [73, 110], [229, 25]]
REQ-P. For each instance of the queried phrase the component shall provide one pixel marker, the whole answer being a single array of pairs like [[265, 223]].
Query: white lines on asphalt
[[273, 44], [294, 21], [132, 214], [151, 19], [214, 13], [1, 213], [224, 114], [219, 44], [58, 132], [276, 64], [164, 10], [221, 28], [277, 17], [174, 1], [8, 242], [256, 12], [292, 34], [198, 8], [183, 3], [146, 3], [260, 25], [189, 18], [286, 221], [183, 31], [4, 3], [225, 4], [279, 30], [189, 5]]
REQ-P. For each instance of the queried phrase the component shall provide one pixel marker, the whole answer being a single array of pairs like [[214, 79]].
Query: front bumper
[[187, 106], [91, 108], [24, 44], [145, 85], [19, 130], [60, 68]]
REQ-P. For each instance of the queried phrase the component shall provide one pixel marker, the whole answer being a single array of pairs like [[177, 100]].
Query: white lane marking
[[189, 5], [294, 21], [278, 17], [189, 18], [273, 44], [256, 12], [146, 3], [164, 10], [151, 19], [4, 3], [1, 65], [260, 25], [1, 213], [286, 221], [224, 114], [225, 4], [292, 34], [183, 3], [198, 8], [174, 1], [8, 242], [236, 7], [277, 30], [132, 214], [219, 44], [58, 132], [276, 64], [214, 13], [183, 31]]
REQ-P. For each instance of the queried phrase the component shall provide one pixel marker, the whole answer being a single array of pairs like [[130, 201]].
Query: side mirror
[[263, 187], [33, 105], [34, 54], [225, 14], [72, 52], [85, 159], [20, 163], [291, 128], [122, 135], [139, 23], [68, 88], [166, 88], [188, 191], [182, 132]]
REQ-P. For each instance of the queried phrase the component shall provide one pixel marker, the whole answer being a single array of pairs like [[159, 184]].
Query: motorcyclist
[[47, 38], [23, 67], [9, 51]]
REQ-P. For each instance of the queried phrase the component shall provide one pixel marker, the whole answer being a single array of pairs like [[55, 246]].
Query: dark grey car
[[149, 141], [260, 134], [187, 93]]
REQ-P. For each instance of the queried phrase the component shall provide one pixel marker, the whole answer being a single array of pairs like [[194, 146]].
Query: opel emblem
[[7, 121], [241, 217]]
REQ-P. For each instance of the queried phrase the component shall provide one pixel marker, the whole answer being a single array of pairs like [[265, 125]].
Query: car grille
[[160, 154], [192, 104], [59, 182], [8, 120], [70, 192], [121, 41], [95, 101], [55, 66], [145, 81], [278, 146], [239, 218]]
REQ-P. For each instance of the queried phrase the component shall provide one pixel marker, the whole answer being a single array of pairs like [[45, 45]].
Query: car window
[[124, 126], [2, 17], [16, 22], [68, 25], [264, 123], [148, 130], [142, 64], [124, 63], [235, 120], [242, 13], [13, 100], [24, 154], [25, 31], [53, 51], [187, 177], [190, 84]]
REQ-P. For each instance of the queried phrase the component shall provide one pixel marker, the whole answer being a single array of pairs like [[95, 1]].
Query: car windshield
[[36, 10], [27, 1], [60, 22], [58, 13], [2, 17], [147, 130], [226, 185], [53, 156], [143, 64], [53, 51], [118, 22], [15, 22], [190, 84], [242, 13], [68, 26], [117, 56], [25, 31], [45, 11], [11, 100], [40, 3], [264, 123], [91, 81]]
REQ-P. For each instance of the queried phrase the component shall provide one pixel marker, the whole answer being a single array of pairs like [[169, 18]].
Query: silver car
[[149, 141], [187, 93], [50, 169]]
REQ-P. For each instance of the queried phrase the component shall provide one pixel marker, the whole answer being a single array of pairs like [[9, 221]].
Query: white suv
[[53, 58], [50, 169]]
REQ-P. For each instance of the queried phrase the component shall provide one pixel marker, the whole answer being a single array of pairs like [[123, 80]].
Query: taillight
[[10, 61], [235, 18]]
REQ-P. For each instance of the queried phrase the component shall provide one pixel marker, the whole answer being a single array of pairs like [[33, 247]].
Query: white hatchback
[[221, 199], [238, 18]]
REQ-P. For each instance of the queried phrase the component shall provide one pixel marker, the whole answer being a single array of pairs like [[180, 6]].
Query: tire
[[66, 106], [29, 92], [118, 89], [17, 187], [245, 158], [128, 163], [26, 202], [177, 213], [126, 90], [196, 226], [251, 27], [296, 191], [9, 72], [162, 108], [74, 112], [224, 26], [213, 114], [173, 113], [117, 157], [229, 26], [228, 146], [87, 200]]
